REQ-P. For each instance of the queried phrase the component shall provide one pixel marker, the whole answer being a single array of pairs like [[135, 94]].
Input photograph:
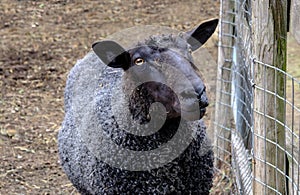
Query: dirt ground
[[40, 42]]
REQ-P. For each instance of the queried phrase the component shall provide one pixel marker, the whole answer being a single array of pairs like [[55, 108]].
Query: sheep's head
[[151, 67]]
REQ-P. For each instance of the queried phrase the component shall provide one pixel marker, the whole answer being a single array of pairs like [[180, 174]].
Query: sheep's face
[[157, 69], [153, 70]]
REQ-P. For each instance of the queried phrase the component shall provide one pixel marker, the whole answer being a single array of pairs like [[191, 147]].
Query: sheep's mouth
[[192, 108], [202, 112]]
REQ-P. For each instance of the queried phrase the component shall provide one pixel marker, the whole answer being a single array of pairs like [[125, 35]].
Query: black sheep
[[113, 139]]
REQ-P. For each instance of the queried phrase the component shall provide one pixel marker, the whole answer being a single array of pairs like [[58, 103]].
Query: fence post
[[269, 22]]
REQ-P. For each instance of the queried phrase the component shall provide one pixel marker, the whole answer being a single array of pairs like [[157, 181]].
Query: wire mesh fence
[[257, 120]]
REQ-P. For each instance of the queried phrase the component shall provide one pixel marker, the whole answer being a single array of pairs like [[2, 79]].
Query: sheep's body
[[190, 173]]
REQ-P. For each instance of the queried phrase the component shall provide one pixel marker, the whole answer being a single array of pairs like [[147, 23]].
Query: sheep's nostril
[[203, 100]]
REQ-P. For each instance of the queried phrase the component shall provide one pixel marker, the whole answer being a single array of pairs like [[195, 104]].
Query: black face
[[149, 63]]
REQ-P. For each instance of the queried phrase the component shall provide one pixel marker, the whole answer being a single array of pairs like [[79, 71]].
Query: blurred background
[[40, 41]]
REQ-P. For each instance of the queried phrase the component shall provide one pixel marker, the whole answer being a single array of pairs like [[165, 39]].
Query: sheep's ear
[[198, 36], [112, 54]]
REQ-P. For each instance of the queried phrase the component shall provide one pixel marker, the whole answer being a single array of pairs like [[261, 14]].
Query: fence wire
[[238, 142]]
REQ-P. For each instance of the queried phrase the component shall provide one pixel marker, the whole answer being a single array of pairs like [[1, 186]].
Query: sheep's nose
[[203, 100]]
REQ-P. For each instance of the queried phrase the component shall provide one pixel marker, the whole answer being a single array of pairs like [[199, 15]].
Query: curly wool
[[173, 42]]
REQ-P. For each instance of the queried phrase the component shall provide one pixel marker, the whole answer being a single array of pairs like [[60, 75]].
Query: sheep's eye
[[139, 61]]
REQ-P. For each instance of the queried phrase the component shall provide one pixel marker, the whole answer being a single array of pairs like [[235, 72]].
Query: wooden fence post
[[269, 25]]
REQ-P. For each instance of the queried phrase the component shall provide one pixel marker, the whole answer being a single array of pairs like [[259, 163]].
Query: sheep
[[116, 93]]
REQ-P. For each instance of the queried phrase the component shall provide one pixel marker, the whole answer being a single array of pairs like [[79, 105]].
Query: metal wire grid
[[290, 123], [236, 87], [223, 121]]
